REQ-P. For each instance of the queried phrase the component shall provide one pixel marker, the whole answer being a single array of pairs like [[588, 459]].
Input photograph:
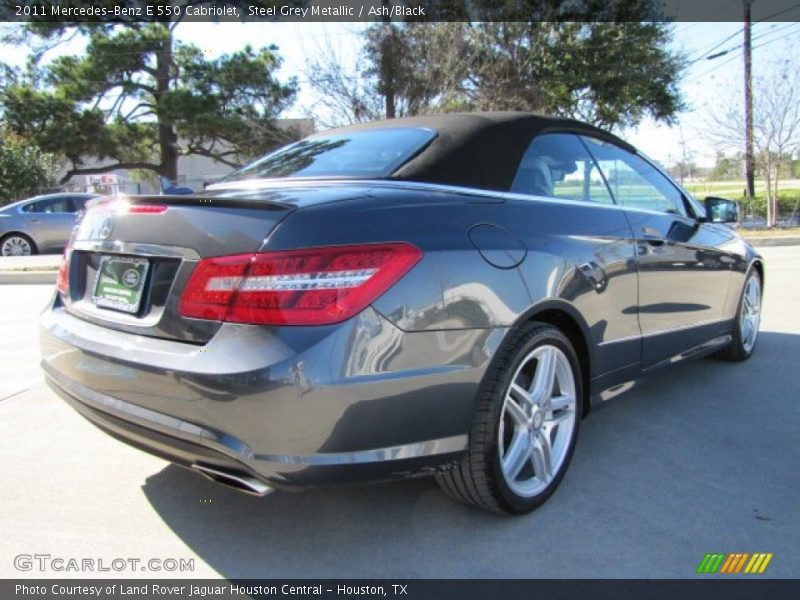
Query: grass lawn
[[788, 188], [788, 200]]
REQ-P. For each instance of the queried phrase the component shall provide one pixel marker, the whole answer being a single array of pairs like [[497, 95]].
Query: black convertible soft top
[[480, 149]]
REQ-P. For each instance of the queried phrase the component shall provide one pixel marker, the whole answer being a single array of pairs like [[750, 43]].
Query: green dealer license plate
[[119, 283]]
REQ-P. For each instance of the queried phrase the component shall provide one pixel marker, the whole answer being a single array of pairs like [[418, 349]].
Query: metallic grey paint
[[390, 392]]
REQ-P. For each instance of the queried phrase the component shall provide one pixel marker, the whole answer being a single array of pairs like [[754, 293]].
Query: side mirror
[[721, 210]]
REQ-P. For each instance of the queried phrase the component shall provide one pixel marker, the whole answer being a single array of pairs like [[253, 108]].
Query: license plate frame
[[119, 283]]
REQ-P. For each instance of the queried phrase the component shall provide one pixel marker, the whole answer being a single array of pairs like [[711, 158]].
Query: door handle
[[34, 220], [653, 236]]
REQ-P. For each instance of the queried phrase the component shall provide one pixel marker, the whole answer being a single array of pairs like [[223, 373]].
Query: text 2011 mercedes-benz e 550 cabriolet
[[439, 295]]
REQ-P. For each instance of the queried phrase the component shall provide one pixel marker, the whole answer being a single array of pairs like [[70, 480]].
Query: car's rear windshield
[[367, 153]]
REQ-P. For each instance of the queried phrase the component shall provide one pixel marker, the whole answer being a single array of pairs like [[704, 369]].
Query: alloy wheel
[[750, 317], [537, 421]]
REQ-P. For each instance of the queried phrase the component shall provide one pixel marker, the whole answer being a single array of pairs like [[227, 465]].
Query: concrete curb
[[777, 240], [28, 277]]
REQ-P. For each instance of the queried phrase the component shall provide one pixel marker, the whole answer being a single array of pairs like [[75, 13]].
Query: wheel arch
[[7, 234], [566, 318], [758, 264]]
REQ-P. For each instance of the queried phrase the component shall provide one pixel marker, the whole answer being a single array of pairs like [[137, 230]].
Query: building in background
[[194, 171]]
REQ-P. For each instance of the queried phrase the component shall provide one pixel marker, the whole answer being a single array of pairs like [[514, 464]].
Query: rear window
[[368, 153]]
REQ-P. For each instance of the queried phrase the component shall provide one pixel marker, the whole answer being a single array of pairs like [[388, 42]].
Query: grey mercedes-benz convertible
[[442, 295]]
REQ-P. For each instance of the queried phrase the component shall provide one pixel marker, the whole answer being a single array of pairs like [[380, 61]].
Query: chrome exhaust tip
[[234, 479]]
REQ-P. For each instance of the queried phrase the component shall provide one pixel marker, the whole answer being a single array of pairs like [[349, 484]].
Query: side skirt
[[698, 351], [608, 386]]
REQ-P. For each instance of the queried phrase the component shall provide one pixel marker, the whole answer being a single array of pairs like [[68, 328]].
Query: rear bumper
[[292, 407]]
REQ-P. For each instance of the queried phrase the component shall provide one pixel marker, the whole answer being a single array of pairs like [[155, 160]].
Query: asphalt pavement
[[701, 458]]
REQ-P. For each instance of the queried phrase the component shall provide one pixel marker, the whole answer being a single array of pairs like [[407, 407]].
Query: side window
[[78, 203], [634, 182], [53, 205], [557, 165]]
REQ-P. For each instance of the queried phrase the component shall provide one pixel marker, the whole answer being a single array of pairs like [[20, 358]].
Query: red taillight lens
[[212, 285], [316, 286], [121, 204], [146, 209], [62, 282]]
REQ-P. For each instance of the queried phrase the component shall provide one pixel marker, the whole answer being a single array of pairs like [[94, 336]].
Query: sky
[[705, 84]]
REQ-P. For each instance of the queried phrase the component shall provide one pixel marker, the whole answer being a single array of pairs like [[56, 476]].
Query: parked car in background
[[40, 224], [444, 295]]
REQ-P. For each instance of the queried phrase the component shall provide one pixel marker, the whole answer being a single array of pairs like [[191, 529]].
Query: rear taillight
[[121, 204], [62, 281], [146, 209], [316, 286]]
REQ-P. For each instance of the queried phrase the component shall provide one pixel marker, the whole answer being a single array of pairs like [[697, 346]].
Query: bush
[[787, 200], [24, 168]]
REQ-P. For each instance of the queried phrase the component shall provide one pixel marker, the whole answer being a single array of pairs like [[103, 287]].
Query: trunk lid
[[130, 258]]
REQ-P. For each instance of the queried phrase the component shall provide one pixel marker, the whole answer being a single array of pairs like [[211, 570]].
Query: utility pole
[[387, 65], [683, 154], [749, 170]]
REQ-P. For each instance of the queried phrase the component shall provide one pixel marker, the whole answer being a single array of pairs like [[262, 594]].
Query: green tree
[[24, 168], [419, 67], [612, 74], [402, 70], [140, 99], [727, 167], [566, 69]]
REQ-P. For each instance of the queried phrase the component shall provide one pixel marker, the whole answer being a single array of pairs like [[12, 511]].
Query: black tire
[[478, 479], [32, 245], [738, 350]]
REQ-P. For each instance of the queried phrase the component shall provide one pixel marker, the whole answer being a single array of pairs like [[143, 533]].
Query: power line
[[757, 37], [779, 13], [704, 55], [739, 54], [739, 31], [712, 15], [796, 31]]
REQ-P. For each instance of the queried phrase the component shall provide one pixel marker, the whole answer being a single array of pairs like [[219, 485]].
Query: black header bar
[[120, 11], [707, 588]]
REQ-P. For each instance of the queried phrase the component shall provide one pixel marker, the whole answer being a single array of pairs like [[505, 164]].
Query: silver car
[[40, 224]]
